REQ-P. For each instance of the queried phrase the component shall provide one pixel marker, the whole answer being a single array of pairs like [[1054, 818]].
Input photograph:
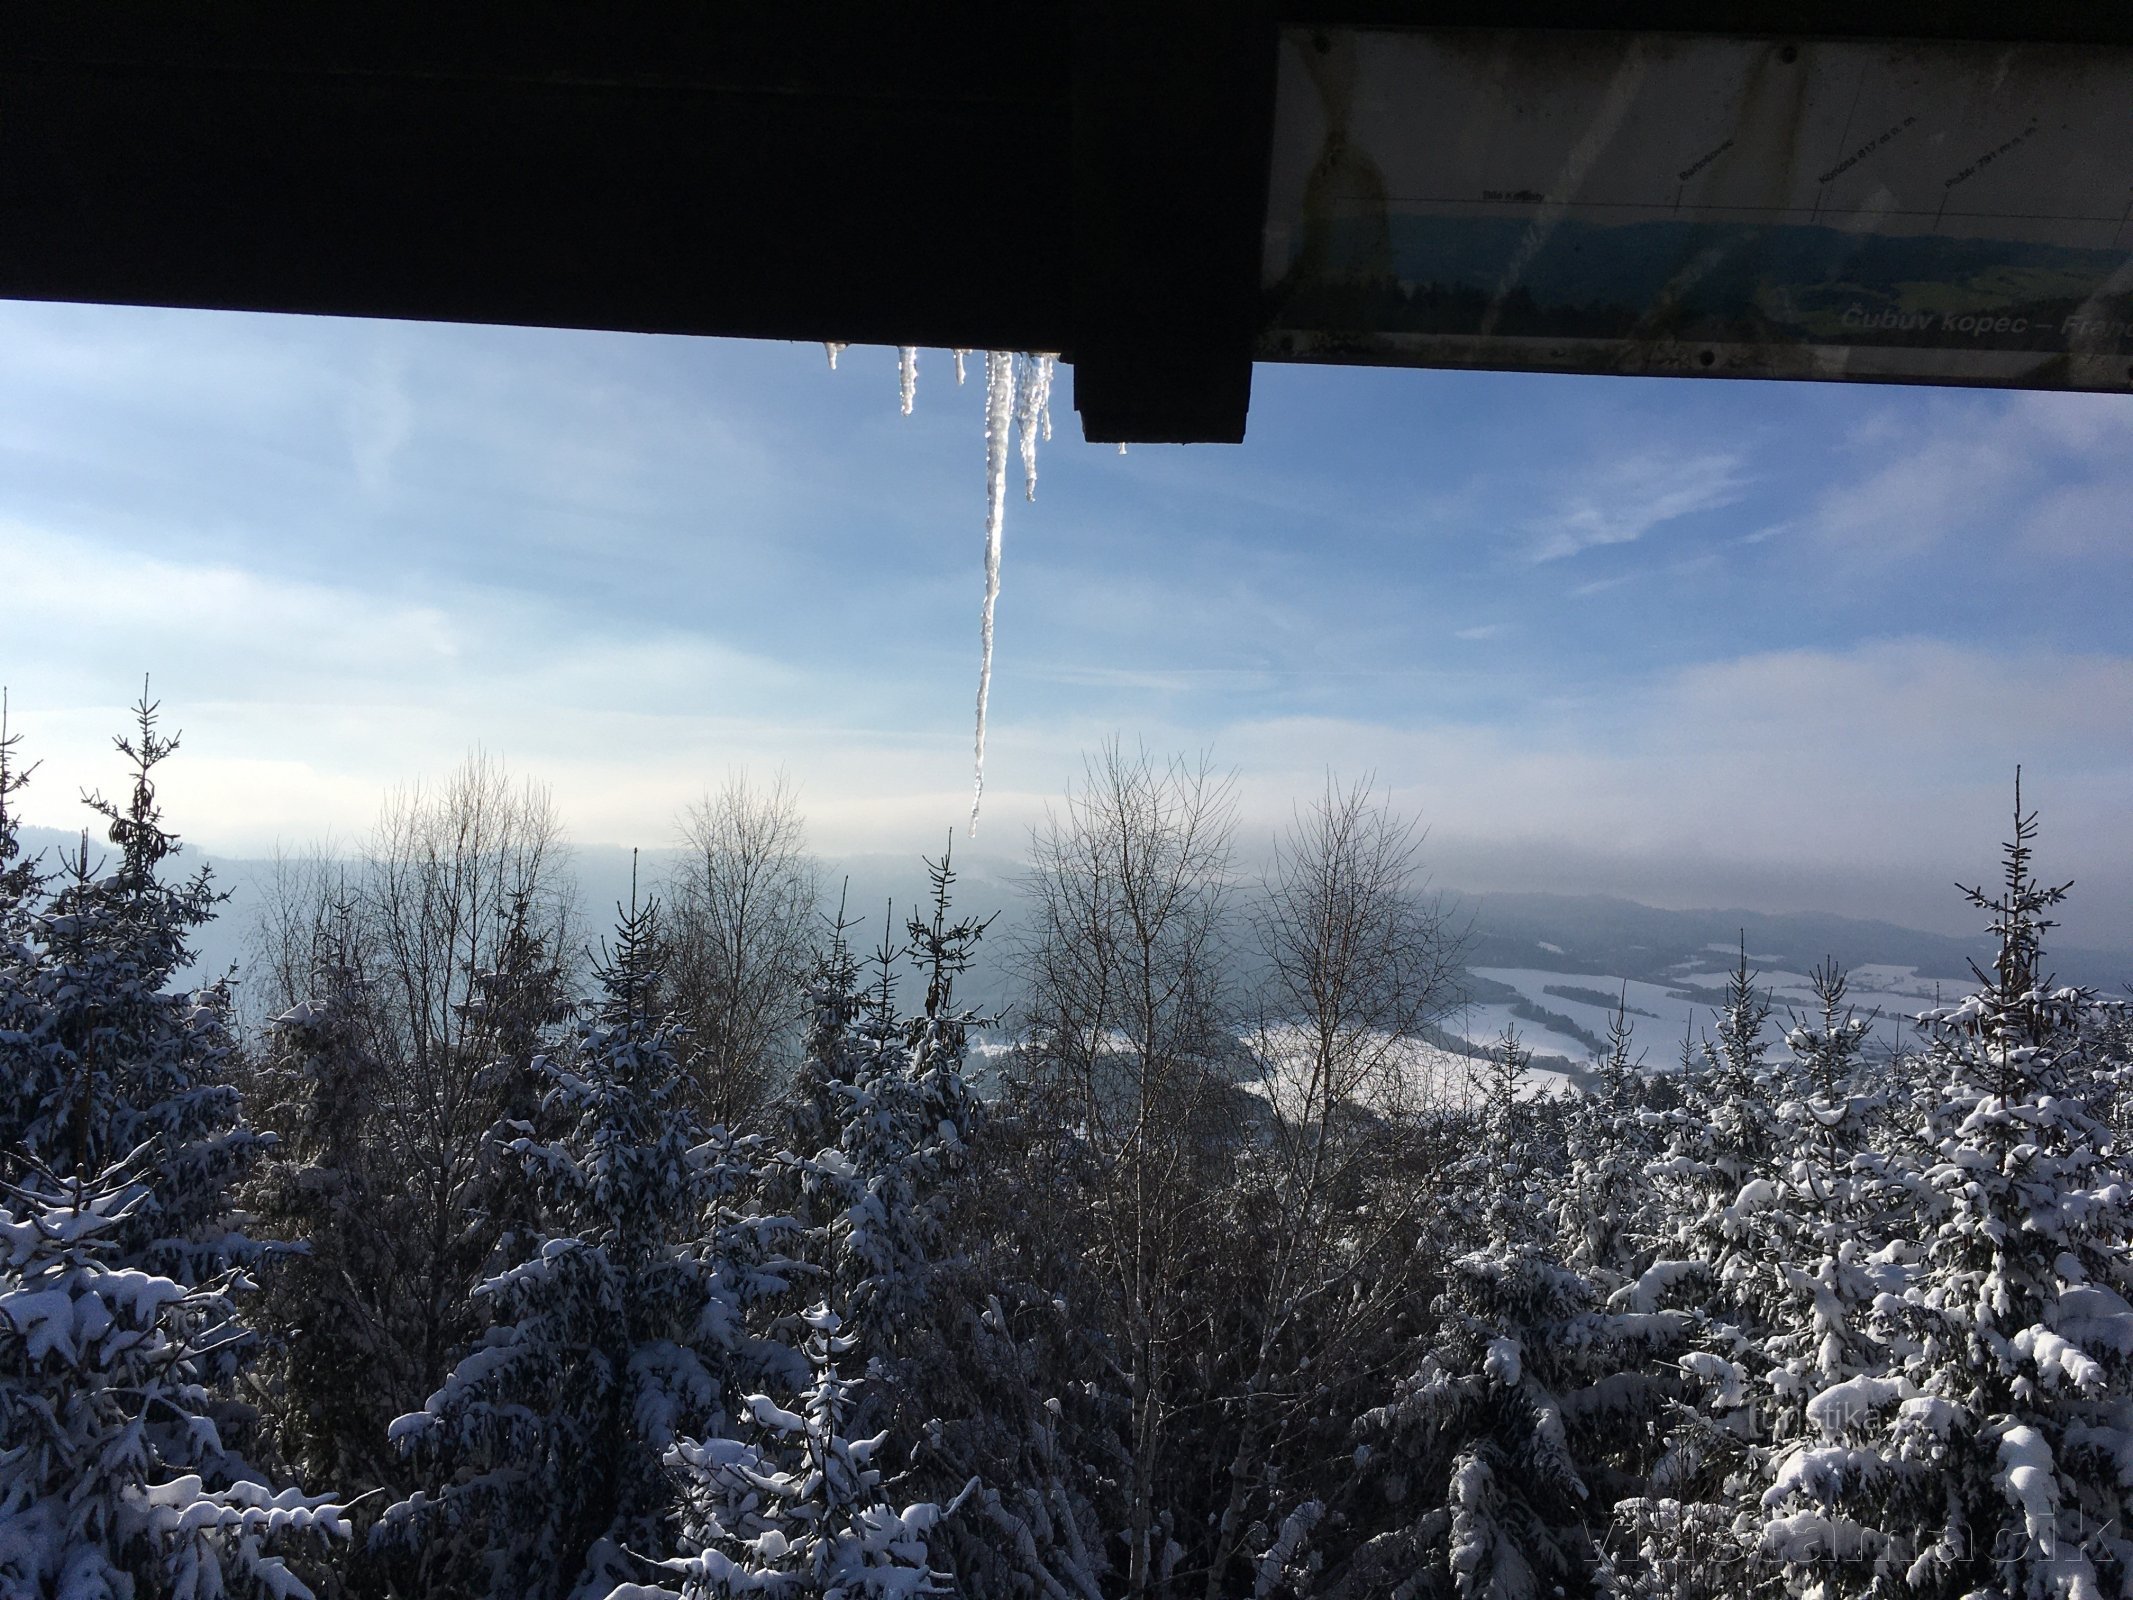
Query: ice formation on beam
[[999, 409], [1017, 389], [1033, 414], [1018, 397]]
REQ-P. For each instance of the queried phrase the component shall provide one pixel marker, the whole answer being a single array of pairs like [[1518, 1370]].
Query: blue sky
[[1702, 643]]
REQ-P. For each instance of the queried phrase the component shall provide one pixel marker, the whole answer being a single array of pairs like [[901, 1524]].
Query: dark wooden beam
[[1173, 117], [1086, 176], [868, 174]]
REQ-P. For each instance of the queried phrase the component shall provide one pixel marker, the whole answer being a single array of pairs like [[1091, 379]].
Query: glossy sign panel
[[1703, 206]]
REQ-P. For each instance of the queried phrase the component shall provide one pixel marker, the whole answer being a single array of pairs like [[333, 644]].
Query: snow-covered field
[[1661, 1015], [1893, 993], [1413, 1073]]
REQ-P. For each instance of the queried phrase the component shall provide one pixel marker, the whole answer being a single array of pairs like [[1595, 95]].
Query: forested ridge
[[487, 1252]]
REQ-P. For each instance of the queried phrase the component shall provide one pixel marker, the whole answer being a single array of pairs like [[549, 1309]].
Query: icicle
[[1033, 413], [1018, 398], [999, 415]]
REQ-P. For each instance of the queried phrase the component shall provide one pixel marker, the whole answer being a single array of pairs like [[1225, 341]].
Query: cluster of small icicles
[[1018, 398]]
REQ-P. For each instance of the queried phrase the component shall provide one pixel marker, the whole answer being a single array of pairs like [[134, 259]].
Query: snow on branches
[[114, 1478]]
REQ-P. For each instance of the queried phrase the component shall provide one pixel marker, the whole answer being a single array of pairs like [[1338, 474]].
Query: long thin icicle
[[1018, 399], [999, 417]]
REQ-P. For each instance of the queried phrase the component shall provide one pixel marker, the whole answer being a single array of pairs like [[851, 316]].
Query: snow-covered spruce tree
[[1017, 1404], [1722, 1150], [883, 1126], [21, 878], [607, 1345], [1603, 1211], [1715, 1184], [113, 1058], [1839, 1235], [851, 1039], [1497, 1179], [1988, 1461], [1502, 1453], [1805, 1251], [1012, 1388], [330, 1362], [797, 1507], [966, 1362], [24, 1023], [906, 1131], [113, 1477], [2112, 1046], [113, 1084], [1534, 1409], [833, 1059], [515, 1013]]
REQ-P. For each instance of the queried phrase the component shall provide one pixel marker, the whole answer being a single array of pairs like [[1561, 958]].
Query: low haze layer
[[1695, 643]]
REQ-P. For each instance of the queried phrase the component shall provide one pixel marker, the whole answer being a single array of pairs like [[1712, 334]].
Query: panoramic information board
[[1705, 206]]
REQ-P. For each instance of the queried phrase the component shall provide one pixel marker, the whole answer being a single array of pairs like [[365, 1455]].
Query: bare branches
[[1360, 961], [462, 891], [1129, 1033], [1124, 966], [742, 906]]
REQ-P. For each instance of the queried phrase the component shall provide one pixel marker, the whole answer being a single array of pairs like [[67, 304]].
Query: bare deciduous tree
[[453, 875], [300, 917], [456, 885], [1360, 962], [1357, 963], [1129, 1037], [741, 904]]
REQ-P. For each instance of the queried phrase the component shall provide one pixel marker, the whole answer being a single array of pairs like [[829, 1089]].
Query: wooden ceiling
[[1085, 176]]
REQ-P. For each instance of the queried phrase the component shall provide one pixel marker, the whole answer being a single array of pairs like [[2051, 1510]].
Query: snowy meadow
[[703, 1251]]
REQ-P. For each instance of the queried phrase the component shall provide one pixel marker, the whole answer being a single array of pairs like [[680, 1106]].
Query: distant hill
[[1597, 933], [1601, 940]]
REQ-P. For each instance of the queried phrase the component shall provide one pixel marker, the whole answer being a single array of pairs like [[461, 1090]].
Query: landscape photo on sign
[[1821, 209]]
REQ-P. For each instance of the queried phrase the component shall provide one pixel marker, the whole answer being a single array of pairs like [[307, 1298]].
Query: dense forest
[[723, 1249]]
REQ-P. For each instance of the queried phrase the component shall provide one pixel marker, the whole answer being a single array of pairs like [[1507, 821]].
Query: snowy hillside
[[1566, 1013], [1552, 965]]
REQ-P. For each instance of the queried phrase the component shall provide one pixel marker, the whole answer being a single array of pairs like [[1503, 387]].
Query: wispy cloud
[[2057, 469], [1622, 503]]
